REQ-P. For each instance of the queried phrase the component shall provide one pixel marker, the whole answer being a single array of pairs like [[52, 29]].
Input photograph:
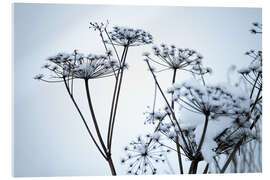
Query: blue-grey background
[[49, 137]]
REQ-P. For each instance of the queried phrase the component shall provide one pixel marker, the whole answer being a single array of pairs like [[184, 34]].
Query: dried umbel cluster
[[143, 153], [79, 66], [124, 36], [153, 116], [171, 57], [66, 67], [253, 72], [213, 100], [226, 109], [227, 113]]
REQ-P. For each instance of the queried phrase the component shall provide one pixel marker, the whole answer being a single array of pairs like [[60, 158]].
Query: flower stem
[[93, 115], [112, 168], [117, 96], [82, 117], [177, 138]]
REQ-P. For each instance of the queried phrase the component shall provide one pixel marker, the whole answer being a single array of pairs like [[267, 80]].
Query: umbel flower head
[[156, 115], [124, 36], [171, 57], [216, 100], [77, 65], [253, 72], [143, 153]]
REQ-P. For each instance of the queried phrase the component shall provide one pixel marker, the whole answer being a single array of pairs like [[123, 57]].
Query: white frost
[[214, 128]]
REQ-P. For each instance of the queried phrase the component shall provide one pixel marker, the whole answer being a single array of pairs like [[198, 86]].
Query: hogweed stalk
[[69, 67]]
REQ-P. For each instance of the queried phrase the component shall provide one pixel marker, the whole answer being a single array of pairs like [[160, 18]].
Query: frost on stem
[[228, 107], [143, 153]]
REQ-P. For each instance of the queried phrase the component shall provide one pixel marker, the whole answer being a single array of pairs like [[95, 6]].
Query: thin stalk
[[193, 167], [254, 85], [194, 163], [179, 156], [203, 134], [113, 102], [253, 107], [173, 81], [84, 121], [205, 171], [112, 168], [93, 115], [237, 146], [117, 96], [164, 97], [177, 139]]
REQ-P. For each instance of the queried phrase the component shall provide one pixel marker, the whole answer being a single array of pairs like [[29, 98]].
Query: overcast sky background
[[49, 136]]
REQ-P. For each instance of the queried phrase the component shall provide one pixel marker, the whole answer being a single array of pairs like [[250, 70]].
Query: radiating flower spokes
[[253, 72], [170, 57], [215, 99], [125, 36], [143, 153], [79, 66]]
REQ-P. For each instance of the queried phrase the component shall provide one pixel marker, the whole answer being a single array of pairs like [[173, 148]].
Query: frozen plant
[[143, 153], [69, 67], [228, 113]]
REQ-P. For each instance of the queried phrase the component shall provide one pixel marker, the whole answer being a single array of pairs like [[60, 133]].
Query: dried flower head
[[170, 57], [77, 65], [143, 153], [124, 36], [253, 72], [218, 100]]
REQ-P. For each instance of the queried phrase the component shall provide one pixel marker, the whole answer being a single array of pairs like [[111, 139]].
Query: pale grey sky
[[49, 137]]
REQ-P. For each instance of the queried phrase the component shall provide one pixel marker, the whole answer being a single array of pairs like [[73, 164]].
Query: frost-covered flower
[[216, 100], [77, 65], [171, 57], [253, 72], [124, 36], [143, 153], [155, 115]]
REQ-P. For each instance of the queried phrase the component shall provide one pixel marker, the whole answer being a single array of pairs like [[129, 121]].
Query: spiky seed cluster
[[77, 65], [253, 72], [153, 116], [98, 26], [124, 36], [215, 100], [143, 153], [177, 58], [169, 130], [255, 66]]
